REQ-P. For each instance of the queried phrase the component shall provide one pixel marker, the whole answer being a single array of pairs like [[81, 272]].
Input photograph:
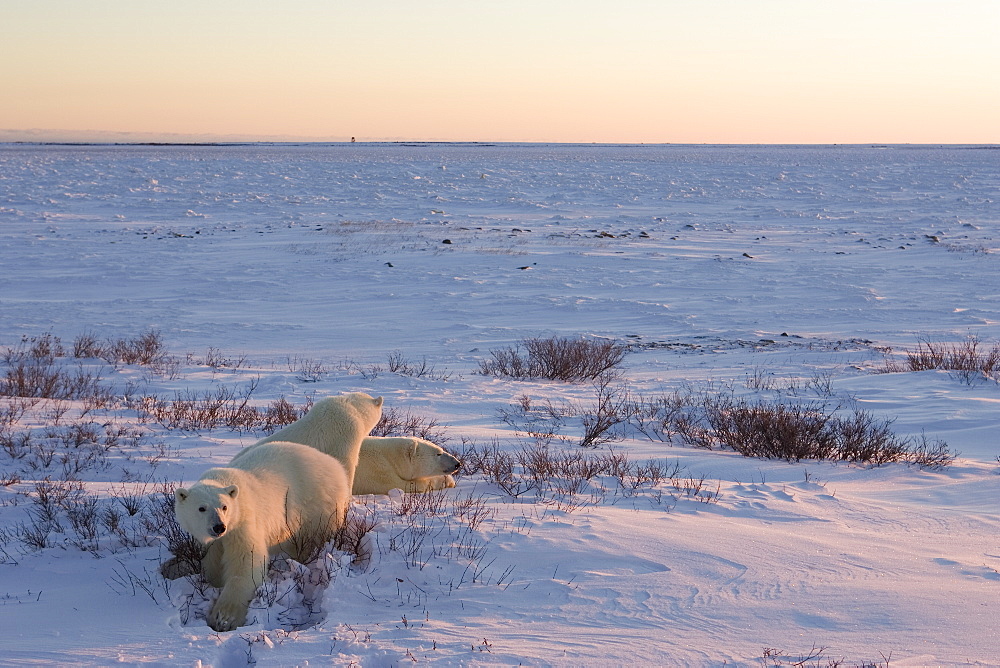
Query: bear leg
[[211, 564], [241, 581]]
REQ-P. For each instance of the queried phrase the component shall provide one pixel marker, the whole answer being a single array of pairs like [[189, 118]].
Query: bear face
[[403, 462], [425, 459], [207, 510]]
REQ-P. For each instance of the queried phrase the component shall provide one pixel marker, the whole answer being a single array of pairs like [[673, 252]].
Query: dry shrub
[[404, 367], [62, 513], [970, 359], [556, 358], [772, 430], [608, 412], [657, 418], [556, 475], [599, 421], [352, 536], [281, 413], [43, 378], [929, 454], [396, 422], [774, 658], [45, 347], [777, 430], [222, 407], [86, 346], [146, 349]]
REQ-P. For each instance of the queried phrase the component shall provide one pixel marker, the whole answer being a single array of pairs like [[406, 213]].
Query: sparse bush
[[557, 358], [281, 413], [774, 658], [607, 412], [13, 409], [769, 430], [216, 360], [222, 407], [779, 430], [307, 370], [560, 476], [43, 378], [44, 347], [929, 454], [543, 420], [657, 418], [396, 422], [404, 367], [86, 346], [147, 349], [352, 536], [969, 360]]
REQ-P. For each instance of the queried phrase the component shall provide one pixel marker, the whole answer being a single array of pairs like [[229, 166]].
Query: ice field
[[786, 273]]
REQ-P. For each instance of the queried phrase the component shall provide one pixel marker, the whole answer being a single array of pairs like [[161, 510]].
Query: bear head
[[425, 459], [207, 510], [367, 408]]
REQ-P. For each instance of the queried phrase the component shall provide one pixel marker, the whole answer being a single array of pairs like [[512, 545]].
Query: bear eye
[[201, 509], [225, 507]]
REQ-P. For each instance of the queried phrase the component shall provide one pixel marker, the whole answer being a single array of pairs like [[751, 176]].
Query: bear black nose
[[455, 464], [219, 529]]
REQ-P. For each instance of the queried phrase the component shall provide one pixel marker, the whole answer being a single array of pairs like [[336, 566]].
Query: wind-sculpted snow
[[790, 275]]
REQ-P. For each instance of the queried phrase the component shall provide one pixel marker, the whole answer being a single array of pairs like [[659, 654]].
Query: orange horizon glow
[[633, 71]]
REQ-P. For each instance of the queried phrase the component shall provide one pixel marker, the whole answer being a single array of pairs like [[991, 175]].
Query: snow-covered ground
[[299, 271]]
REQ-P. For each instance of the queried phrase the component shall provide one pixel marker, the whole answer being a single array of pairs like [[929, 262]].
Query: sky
[[680, 71]]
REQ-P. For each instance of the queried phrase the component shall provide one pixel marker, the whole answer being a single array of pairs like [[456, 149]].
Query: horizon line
[[477, 142]]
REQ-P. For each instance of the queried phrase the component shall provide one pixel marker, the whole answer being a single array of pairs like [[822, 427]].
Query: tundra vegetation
[[84, 436]]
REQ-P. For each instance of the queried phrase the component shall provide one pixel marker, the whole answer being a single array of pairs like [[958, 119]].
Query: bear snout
[[219, 529], [449, 464]]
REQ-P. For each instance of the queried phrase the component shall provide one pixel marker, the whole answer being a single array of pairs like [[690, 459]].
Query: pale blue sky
[[921, 71]]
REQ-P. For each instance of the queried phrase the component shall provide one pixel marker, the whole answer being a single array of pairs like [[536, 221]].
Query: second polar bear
[[334, 425], [280, 498], [409, 464]]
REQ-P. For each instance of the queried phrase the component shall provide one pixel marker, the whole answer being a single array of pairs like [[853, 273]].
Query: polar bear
[[410, 464], [280, 498], [334, 425]]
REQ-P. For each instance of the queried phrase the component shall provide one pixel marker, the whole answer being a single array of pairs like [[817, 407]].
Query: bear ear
[[232, 491], [181, 494], [378, 402]]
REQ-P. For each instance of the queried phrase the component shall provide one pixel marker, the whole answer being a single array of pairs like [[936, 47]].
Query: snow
[[763, 270]]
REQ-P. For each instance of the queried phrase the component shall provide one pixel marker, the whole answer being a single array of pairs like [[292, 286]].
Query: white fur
[[334, 425], [409, 464], [280, 498]]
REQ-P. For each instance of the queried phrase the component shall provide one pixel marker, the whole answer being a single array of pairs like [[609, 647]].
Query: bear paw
[[227, 617]]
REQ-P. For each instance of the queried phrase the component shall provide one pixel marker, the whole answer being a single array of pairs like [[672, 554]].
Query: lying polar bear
[[278, 498], [406, 463]]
